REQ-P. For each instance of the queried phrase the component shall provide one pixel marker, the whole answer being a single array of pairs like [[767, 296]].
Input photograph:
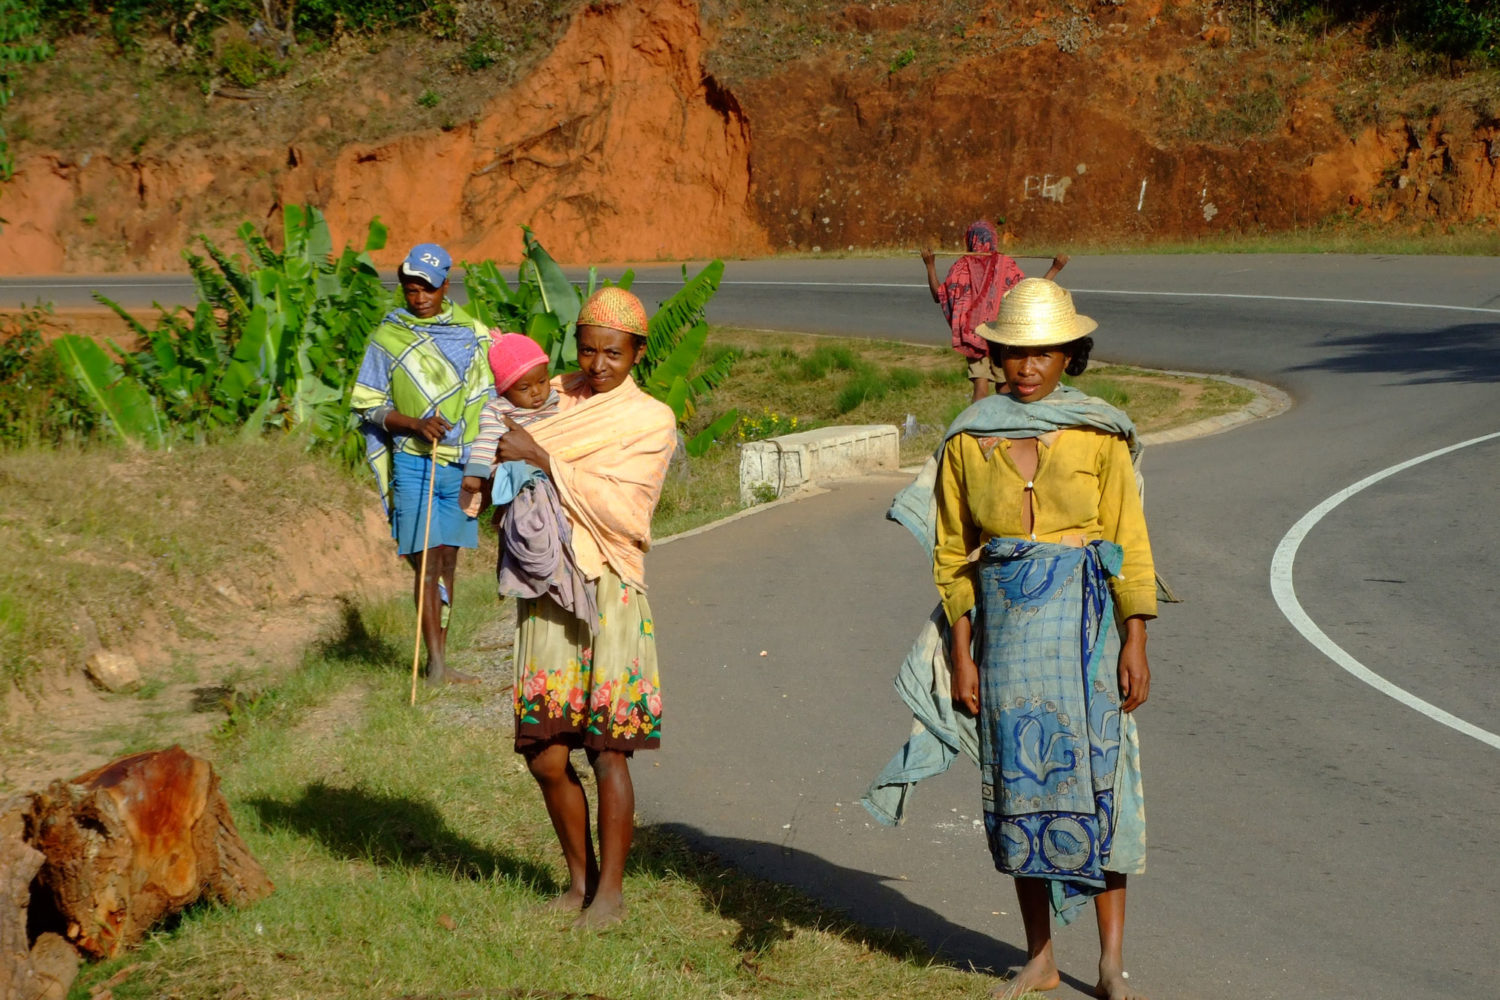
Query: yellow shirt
[[1084, 486]]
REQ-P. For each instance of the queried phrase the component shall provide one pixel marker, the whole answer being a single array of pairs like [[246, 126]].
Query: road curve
[[1312, 836]]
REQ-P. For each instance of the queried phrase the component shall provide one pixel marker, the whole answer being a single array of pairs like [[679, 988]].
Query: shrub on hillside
[[1458, 29], [39, 404]]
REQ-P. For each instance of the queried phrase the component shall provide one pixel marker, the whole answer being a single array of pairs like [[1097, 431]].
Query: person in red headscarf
[[971, 294]]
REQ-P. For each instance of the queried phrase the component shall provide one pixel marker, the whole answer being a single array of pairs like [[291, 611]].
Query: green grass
[[411, 855], [116, 547], [823, 381], [109, 545], [1157, 401]]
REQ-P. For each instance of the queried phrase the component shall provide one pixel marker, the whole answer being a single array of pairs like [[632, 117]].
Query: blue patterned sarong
[[1058, 760]]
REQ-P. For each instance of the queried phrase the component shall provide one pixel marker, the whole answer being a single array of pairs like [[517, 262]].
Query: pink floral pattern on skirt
[[603, 691]]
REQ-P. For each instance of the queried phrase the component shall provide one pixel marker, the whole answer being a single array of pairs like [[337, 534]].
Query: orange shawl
[[609, 459]]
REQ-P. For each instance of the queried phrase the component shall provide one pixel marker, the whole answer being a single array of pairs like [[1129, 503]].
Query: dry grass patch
[[134, 550]]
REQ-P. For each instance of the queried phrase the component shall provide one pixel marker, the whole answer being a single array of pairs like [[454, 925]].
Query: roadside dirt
[[212, 653], [203, 659], [655, 129]]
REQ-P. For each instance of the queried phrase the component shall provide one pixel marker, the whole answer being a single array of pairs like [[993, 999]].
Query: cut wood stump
[[133, 841], [19, 863]]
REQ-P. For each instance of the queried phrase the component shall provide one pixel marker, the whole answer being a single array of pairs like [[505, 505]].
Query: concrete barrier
[[777, 466]]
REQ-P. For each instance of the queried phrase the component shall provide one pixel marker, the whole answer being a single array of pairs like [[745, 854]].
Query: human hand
[[470, 499], [1134, 670], [517, 444], [432, 428], [1059, 262], [928, 256], [965, 684]]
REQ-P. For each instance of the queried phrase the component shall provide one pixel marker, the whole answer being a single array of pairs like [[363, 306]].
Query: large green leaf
[[310, 395], [713, 375], [375, 236], [559, 297], [699, 443], [679, 364], [681, 312], [542, 327], [126, 406], [252, 372], [136, 326], [490, 297], [260, 251], [676, 396], [307, 234]]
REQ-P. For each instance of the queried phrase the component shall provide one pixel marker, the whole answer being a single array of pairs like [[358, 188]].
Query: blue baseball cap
[[427, 261]]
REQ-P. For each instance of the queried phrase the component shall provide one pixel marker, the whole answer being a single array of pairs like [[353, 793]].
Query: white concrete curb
[[781, 465], [789, 464], [1269, 402]]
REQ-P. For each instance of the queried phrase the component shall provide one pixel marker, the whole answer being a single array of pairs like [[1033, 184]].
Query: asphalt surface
[[1311, 836]]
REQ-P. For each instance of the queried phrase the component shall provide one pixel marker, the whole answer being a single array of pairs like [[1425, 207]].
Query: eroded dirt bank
[[617, 145], [621, 145]]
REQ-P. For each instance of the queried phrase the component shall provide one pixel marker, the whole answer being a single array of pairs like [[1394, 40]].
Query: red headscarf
[[975, 284]]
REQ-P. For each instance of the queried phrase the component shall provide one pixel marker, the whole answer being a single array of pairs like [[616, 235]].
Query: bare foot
[[602, 913], [1035, 976], [1114, 984], [436, 678], [571, 901]]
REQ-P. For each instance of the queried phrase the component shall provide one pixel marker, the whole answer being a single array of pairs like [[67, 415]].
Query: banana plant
[[127, 408], [544, 304], [274, 344], [275, 341]]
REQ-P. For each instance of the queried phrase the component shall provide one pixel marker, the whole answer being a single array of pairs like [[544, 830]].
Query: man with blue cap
[[424, 378]]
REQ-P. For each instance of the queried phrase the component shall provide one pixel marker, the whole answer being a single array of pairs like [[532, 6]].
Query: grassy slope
[[94, 97], [104, 543], [411, 856], [409, 847], [111, 547]]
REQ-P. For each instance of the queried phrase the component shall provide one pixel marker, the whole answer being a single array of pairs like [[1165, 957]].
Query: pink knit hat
[[513, 355]]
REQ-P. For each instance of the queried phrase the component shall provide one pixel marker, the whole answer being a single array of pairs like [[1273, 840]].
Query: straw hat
[[1036, 313]]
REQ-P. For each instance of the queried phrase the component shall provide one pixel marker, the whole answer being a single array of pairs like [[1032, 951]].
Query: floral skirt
[[601, 692]]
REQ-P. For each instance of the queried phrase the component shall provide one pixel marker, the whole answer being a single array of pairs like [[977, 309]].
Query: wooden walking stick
[[422, 587]]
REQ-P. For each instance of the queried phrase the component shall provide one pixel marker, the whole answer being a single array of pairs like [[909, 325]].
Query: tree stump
[[19, 864], [132, 841]]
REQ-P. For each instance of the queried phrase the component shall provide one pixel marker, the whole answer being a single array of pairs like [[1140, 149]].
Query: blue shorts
[[450, 525]]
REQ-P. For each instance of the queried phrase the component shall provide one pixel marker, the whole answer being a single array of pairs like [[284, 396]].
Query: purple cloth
[[536, 553]]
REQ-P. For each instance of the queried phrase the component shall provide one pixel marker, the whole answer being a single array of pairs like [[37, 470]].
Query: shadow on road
[[1469, 352], [804, 887], [769, 890]]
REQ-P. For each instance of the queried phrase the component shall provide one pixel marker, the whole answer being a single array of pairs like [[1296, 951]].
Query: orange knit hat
[[615, 308]]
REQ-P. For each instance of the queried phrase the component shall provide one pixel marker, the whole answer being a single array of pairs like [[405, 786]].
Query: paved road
[[1312, 837]]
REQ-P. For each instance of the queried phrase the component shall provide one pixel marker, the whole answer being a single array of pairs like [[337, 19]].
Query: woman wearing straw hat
[[1041, 557]]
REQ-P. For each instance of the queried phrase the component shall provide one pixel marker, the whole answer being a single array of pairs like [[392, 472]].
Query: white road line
[[187, 283], [1291, 298], [1286, 598], [1118, 291]]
